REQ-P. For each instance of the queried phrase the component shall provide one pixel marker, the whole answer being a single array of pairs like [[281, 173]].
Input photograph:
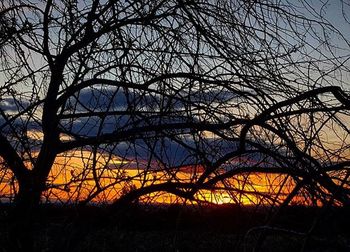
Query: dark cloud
[[173, 153], [147, 145], [10, 107], [101, 99], [10, 104], [91, 126]]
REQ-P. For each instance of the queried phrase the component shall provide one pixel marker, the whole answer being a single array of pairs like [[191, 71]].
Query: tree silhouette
[[225, 90]]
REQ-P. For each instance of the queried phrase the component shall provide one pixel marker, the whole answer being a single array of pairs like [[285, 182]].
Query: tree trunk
[[30, 190], [25, 214]]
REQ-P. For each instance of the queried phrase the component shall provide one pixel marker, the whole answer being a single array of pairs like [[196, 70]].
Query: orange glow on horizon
[[82, 175], [102, 178]]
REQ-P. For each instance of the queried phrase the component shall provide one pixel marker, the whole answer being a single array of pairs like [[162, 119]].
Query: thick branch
[[13, 160], [141, 132]]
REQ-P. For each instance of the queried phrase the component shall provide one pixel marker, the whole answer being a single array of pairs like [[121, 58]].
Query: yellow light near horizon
[[65, 172], [80, 175]]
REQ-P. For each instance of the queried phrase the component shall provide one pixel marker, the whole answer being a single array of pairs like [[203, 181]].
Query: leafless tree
[[193, 96]]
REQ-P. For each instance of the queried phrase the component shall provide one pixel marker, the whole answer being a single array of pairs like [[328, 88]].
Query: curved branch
[[137, 132], [145, 86], [13, 160], [335, 90]]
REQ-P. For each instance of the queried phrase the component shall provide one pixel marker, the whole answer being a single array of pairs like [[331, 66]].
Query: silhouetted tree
[[217, 90]]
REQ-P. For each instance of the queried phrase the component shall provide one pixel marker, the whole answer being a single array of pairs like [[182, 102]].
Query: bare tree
[[194, 96]]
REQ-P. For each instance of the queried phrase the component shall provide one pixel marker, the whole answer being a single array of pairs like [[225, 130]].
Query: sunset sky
[[140, 104]]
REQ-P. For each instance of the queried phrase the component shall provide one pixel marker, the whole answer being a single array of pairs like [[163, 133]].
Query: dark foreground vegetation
[[176, 228]]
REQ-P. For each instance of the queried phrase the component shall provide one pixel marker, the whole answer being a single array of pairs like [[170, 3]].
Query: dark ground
[[176, 228]]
